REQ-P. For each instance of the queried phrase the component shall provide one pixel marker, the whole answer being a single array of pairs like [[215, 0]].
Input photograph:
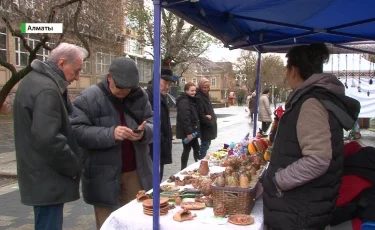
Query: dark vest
[[308, 206]]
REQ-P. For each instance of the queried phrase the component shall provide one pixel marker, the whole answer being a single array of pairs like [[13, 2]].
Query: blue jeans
[[205, 145], [49, 217]]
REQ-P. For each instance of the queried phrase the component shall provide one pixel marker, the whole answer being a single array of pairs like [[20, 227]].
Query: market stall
[[219, 191], [263, 26]]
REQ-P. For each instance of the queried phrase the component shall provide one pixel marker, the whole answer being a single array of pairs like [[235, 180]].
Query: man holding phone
[[112, 122]]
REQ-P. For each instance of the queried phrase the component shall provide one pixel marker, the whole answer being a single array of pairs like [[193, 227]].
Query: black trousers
[[186, 151], [265, 126]]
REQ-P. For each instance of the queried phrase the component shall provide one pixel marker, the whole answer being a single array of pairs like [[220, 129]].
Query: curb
[[8, 174]]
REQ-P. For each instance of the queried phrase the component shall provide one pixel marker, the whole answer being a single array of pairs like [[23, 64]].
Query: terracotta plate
[[148, 202], [193, 205], [240, 219], [164, 209], [151, 213]]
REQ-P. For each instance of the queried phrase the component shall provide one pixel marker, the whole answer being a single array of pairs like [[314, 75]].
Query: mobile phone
[[137, 131]]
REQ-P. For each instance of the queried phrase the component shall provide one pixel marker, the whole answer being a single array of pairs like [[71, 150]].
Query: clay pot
[[244, 181], [206, 187], [231, 181], [220, 181], [236, 175], [248, 174], [203, 168]]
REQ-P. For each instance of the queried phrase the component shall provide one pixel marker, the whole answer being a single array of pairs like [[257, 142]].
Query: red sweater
[[128, 152]]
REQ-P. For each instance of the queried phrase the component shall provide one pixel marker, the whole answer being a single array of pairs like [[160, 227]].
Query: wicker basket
[[236, 200]]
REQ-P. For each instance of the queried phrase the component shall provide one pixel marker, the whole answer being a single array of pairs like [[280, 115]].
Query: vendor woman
[[302, 181]]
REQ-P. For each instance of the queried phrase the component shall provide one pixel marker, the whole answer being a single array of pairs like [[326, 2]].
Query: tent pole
[[156, 128], [257, 86]]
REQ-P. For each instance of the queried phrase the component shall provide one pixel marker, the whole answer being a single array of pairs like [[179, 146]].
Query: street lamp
[[239, 78]]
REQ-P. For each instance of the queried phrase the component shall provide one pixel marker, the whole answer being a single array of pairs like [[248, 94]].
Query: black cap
[[124, 72], [167, 74]]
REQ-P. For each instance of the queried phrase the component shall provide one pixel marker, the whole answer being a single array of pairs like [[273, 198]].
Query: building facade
[[220, 75], [104, 46]]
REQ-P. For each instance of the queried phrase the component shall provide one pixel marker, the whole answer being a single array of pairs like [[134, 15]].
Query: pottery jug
[[244, 181], [204, 169]]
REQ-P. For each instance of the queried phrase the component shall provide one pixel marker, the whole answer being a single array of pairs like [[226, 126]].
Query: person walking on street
[[48, 157], [207, 116], [188, 123], [166, 79], [112, 121], [302, 181], [252, 105], [265, 113]]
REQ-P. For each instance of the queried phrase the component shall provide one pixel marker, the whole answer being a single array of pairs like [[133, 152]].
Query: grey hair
[[68, 51]]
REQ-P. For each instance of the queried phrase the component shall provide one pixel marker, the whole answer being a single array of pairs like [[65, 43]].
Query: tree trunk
[[4, 92]]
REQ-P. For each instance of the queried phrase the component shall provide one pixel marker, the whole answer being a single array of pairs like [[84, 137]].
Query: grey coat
[[94, 120], [265, 113], [46, 149]]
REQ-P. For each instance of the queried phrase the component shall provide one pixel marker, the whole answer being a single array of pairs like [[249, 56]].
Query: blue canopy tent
[[266, 26]]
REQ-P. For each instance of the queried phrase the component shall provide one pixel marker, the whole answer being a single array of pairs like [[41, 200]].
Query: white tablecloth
[[131, 217]]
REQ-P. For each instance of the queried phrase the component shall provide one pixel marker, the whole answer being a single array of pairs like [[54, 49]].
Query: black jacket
[[187, 116], [308, 206], [208, 127], [94, 120], [165, 128], [46, 149]]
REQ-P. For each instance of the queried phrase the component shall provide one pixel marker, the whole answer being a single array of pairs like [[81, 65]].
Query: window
[[22, 55], [86, 67], [103, 60], [133, 46], [195, 81], [213, 82], [183, 81], [3, 44]]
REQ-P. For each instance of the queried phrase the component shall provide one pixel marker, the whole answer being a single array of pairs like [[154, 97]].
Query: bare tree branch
[[17, 33], [9, 66], [79, 35]]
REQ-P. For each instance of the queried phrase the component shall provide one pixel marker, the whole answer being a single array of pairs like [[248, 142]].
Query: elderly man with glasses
[[112, 122]]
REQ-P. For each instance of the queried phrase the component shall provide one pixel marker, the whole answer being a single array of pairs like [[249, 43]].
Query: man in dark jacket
[[48, 165], [207, 116], [166, 79], [113, 124]]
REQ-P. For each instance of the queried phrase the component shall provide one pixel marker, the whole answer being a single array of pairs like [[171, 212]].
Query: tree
[[82, 20], [272, 69], [181, 43]]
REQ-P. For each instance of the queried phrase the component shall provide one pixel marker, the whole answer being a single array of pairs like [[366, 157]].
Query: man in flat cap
[[112, 122], [166, 79]]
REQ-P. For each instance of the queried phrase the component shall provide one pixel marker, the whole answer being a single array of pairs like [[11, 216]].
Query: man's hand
[[123, 132], [120, 133], [208, 117]]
